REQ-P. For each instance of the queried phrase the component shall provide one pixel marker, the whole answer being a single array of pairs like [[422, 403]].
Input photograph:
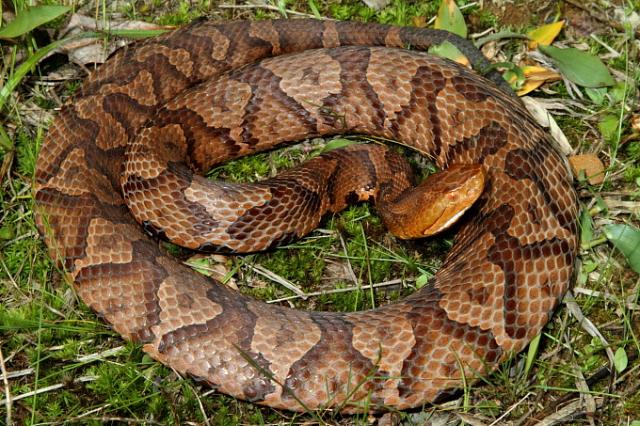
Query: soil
[[581, 19]]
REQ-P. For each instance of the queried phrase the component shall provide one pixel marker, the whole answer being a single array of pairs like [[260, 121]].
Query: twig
[[90, 412], [601, 373], [100, 355], [611, 50], [513, 407], [50, 388], [567, 413], [202, 411], [14, 374], [587, 325], [599, 294], [352, 274], [270, 7], [278, 279], [587, 398], [7, 391], [115, 420], [339, 290]]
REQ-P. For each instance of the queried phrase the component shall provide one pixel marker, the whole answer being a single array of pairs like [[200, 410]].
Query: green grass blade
[[30, 19], [27, 66]]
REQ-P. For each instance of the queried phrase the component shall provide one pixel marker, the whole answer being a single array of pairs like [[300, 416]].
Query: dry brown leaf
[[590, 165], [545, 119], [635, 123]]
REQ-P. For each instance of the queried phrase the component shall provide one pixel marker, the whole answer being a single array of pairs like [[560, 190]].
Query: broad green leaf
[[201, 265], [608, 127], [337, 144], [596, 94], [618, 91], [620, 360], [586, 227], [580, 67], [626, 238], [449, 51], [423, 278], [587, 267], [30, 19], [450, 18], [24, 68]]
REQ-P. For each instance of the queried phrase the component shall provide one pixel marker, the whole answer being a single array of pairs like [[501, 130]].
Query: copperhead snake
[[199, 91]]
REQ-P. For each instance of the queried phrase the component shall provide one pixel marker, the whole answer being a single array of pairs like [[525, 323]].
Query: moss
[[27, 152], [486, 19]]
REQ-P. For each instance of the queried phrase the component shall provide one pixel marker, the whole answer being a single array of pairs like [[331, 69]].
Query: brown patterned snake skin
[[511, 263]]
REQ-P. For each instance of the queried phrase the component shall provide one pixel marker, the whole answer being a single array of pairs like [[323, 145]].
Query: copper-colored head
[[435, 204]]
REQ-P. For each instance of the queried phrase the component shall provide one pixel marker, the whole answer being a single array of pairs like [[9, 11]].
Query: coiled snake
[[512, 260]]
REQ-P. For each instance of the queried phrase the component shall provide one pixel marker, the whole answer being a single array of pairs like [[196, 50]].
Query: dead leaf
[[544, 35], [376, 4], [490, 50], [544, 118], [536, 76], [419, 21], [589, 165], [635, 123], [635, 129]]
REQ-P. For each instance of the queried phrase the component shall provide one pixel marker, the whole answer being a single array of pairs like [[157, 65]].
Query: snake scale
[[201, 91]]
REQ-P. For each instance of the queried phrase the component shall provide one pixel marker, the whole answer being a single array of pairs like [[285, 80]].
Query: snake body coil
[[511, 263]]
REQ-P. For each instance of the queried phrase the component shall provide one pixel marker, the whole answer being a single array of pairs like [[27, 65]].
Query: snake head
[[434, 205]]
